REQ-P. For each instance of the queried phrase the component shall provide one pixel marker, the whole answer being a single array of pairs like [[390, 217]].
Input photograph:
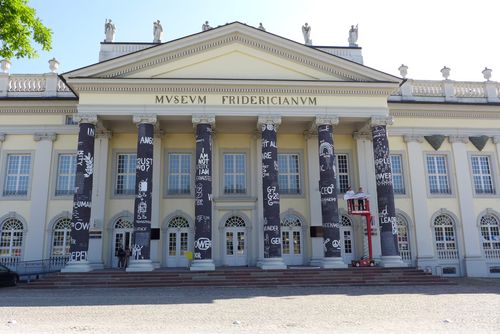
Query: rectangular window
[[235, 173], [17, 175], [66, 170], [481, 174], [289, 175], [179, 173], [342, 161], [125, 174], [397, 174], [437, 171]]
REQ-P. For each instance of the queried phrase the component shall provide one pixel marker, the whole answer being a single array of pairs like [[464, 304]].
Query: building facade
[[237, 145]]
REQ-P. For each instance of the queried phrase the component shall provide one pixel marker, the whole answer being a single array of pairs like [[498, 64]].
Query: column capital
[[203, 119], [44, 136], [458, 139], [144, 119], [495, 139], [85, 118], [413, 138], [362, 135], [381, 120], [2, 137], [268, 119], [326, 120], [106, 134], [159, 133]]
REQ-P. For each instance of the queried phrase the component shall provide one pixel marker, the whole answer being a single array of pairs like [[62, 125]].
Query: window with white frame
[[444, 233], [289, 174], [11, 238], [125, 173], [234, 173], [342, 162], [437, 172], [61, 237], [481, 174], [179, 174], [66, 170], [403, 239], [490, 235], [17, 175], [398, 182]]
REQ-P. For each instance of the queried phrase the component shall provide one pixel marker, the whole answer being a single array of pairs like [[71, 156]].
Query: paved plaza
[[471, 306]]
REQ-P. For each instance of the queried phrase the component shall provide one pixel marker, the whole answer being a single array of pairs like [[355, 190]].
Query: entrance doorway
[[179, 241], [122, 237], [235, 235], [347, 239], [292, 240]]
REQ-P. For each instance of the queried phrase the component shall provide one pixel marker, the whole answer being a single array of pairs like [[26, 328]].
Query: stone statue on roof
[[261, 27], [306, 31], [353, 36], [109, 31], [206, 26], [157, 31]]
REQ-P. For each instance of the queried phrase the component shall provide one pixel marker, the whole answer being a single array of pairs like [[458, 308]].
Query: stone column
[[39, 195], [496, 141], [140, 260], [385, 194], [157, 195], [328, 191], [203, 194], [474, 261], [425, 244], [270, 191], [99, 197], [82, 201]]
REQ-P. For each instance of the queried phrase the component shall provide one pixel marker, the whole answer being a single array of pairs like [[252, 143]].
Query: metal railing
[[37, 267]]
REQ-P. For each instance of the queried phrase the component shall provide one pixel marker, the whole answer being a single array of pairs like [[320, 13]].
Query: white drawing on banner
[[82, 204], [270, 127], [202, 219], [383, 179], [203, 162], [268, 143], [327, 240], [89, 163], [144, 164], [266, 155], [146, 140], [91, 132], [336, 244], [142, 209], [331, 225], [328, 190], [203, 244], [275, 241], [199, 194], [197, 255], [326, 152], [143, 185], [267, 245], [265, 173], [78, 256], [137, 252], [271, 228], [272, 196], [276, 167], [78, 226]]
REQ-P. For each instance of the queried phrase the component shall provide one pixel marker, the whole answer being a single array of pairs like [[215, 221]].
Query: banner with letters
[[203, 193], [82, 199], [328, 191], [143, 192], [270, 189]]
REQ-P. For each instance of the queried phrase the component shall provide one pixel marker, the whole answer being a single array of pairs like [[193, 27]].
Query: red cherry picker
[[360, 206]]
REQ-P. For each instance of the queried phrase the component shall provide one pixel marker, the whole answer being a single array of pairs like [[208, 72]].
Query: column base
[[140, 265], [77, 267], [202, 265], [332, 262], [393, 261], [96, 265], [274, 263]]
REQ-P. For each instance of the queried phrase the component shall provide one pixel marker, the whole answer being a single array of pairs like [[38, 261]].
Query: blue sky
[[425, 35]]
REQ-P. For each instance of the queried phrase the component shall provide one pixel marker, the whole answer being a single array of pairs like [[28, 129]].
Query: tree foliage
[[19, 28]]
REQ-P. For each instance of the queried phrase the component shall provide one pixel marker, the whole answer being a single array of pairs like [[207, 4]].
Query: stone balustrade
[[33, 85]]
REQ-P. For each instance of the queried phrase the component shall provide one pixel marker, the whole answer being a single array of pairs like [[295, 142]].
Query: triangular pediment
[[233, 51]]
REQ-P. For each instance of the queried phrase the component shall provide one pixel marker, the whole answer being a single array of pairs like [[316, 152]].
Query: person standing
[[127, 255], [348, 196], [361, 199], [121, 257]]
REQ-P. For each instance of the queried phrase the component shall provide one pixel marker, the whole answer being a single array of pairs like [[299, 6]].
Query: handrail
[[36, 267]]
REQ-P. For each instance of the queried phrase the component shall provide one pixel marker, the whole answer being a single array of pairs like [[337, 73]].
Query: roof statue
[[353, 36], [261, 27], [157, 31], [306, 31], [109, 31], [206, 26]]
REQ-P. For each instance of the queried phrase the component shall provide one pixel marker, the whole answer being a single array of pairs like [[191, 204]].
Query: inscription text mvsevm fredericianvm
[[239, 100]]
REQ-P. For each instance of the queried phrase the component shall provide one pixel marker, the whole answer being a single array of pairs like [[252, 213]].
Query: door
[[122, 238], [177, 246], [291, 240], [235, 247], [347, 240]]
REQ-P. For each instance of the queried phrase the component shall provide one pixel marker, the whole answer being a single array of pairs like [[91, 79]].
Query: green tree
[[19, 29]]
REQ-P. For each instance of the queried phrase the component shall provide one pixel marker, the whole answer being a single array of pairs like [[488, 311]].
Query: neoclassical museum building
[[235, 147]]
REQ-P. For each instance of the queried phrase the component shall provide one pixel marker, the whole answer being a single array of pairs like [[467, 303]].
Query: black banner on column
[[385, 192], [328, 191], [143, 191], [203, 193], [82, 200], [270, 189]]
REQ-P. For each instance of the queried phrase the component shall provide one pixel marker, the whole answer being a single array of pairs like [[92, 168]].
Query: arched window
[[123, 223], [61, 237], [235, 221], [444, 233], [178, 222], [403, 240], [490, 235], [11, 239], [345, 221], [291, 220]]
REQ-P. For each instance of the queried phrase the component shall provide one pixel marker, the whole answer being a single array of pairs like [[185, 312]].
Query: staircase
[[238, 277]]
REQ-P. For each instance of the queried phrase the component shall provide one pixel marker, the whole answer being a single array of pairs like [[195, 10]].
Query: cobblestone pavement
[[472, 306]]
